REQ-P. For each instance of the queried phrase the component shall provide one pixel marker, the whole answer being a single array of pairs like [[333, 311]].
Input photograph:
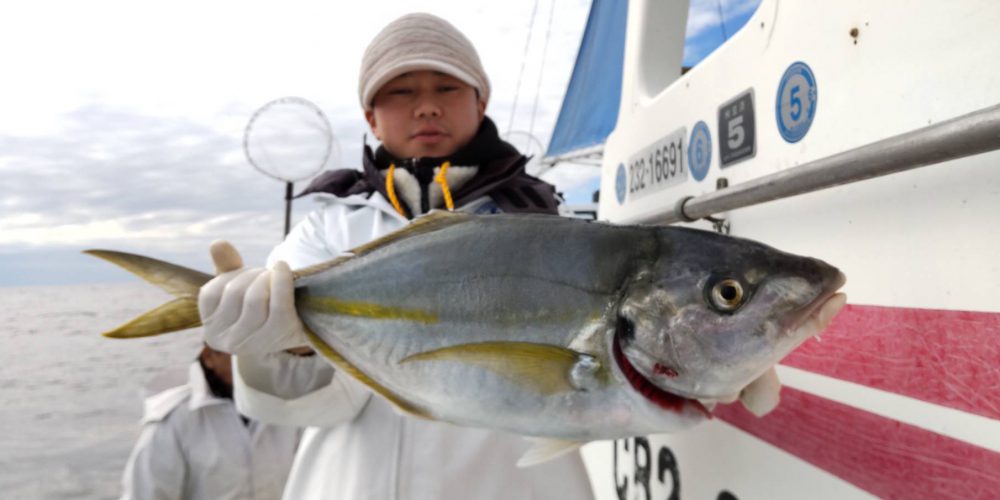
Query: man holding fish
[[424, 94], [514, 323]]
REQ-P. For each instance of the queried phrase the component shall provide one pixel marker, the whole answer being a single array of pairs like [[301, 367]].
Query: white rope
[[541, 71], [722, 22], [524, 58]]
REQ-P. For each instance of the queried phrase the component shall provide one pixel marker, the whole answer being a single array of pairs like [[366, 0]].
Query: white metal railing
[[578, 155], [966, 135]]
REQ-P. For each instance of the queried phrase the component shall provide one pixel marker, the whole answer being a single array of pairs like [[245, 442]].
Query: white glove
[[249, 311], [764, 393]]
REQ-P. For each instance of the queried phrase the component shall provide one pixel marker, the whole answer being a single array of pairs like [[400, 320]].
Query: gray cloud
[[107, 165], [178, 183], [108, 162]]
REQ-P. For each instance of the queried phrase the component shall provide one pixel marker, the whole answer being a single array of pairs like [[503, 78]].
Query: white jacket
[[195, 446], [359, 445]]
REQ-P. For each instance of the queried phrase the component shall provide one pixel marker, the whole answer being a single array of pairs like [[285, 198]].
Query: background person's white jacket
[[359, 445], [195, 446]]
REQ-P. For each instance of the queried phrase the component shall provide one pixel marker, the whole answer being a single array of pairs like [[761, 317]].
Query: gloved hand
[[249, 310], [764, 393]]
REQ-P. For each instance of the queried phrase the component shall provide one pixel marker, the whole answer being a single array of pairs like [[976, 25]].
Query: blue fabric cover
[[590, 108]]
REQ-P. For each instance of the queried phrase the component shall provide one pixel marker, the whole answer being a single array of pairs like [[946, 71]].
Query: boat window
[[710, 23]]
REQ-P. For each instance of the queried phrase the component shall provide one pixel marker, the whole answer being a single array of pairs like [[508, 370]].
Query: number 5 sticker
[[736, 134], [796, 102], [737, 129]]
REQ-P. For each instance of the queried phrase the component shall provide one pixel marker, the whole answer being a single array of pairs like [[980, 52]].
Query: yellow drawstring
[[390, 187], [440, 179]]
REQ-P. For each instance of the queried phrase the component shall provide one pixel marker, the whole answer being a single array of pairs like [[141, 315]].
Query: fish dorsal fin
[[322, 266], [344, 365], [433, 221], [546, 369], [545, 449]]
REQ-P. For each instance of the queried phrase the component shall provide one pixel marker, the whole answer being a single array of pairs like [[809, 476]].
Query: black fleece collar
[[500, 175], [485, 146]]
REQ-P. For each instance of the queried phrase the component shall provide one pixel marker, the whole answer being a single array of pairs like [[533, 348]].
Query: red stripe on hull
[[885, 457], [950, 358]]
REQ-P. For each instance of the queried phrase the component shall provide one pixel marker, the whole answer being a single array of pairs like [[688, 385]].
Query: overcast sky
[[121, 122]]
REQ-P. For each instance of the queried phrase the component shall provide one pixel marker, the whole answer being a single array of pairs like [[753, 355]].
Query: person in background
[[195, 445], [424, 94]]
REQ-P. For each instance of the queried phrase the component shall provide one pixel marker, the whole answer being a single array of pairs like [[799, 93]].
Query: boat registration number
[[657, 166]]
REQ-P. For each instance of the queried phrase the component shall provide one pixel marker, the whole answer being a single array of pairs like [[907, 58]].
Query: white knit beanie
[[419, 42]]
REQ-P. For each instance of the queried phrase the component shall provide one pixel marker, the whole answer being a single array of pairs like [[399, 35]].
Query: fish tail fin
[[181, 282]]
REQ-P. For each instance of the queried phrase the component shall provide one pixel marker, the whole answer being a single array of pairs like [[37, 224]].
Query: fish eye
[[727, 295]]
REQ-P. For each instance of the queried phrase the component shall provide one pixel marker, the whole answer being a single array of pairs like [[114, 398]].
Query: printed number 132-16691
[[658, 166]]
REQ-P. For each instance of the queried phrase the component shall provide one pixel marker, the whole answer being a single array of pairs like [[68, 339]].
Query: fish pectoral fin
[[545, 368], [763, 394], [545, 449]]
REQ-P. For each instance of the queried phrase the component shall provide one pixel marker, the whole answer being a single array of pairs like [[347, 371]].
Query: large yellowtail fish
[[547, 326]]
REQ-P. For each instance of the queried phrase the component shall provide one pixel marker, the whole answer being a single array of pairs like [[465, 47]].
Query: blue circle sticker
[[700, 151], [620, 183], [796, 102]]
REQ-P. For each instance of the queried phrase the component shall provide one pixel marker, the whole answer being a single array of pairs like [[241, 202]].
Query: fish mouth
[[648, 389], [811, 309]]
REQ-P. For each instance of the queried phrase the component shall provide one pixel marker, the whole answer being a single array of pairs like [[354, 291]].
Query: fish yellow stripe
[[342, 363], [365, 309], [544, 368]]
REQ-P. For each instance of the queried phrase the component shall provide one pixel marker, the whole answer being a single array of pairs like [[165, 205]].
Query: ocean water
[[70, 400]]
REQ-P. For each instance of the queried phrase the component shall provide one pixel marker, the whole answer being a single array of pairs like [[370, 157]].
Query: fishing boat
[[864, 134]]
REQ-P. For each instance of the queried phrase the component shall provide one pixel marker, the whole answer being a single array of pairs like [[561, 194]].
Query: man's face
[[425, 114], [219, 362]]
